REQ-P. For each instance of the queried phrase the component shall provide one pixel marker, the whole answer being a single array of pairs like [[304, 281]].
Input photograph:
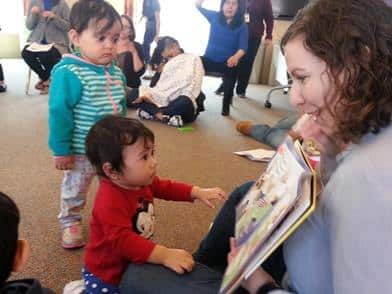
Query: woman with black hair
[[227, 43], [130, 54], [48, 21]]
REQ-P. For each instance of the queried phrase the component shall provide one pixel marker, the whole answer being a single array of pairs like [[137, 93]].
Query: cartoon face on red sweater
[[143, 220]]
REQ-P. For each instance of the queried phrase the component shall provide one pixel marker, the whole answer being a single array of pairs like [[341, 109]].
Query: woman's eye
[[101, 38], [145, 157]]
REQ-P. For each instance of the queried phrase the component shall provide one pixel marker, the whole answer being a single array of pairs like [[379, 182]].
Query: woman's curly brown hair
[[354, 38]]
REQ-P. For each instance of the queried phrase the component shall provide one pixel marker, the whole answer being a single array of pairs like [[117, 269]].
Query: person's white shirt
[[181, 75]]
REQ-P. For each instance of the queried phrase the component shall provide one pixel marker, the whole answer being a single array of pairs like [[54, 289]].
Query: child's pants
[[73, 191]]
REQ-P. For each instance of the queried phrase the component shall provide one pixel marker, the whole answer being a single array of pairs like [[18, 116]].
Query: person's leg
[[213, 249], [1, 73], [150, 278], [183, 107], [132, 95], [31, 58], [229, 79], [246, 64], [149, 35], [3, 86], [73, 198], [48, 60]]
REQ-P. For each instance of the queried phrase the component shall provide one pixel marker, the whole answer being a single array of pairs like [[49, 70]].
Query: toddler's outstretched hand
[[64, 162], [205, 195]]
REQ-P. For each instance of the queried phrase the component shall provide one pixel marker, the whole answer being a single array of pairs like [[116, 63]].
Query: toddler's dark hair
[[108, 137], [9, 223], [84, 11]]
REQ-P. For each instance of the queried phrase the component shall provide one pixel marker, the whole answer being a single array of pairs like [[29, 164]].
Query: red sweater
[[119, 220]]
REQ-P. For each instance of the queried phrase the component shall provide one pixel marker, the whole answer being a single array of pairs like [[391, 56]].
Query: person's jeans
[[151, 278], [275, 135], [149, 36], [41, 62]]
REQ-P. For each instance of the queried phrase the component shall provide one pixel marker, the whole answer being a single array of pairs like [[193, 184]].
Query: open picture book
[[278, 202]]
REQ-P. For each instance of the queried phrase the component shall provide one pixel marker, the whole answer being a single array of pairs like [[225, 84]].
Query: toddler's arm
[[207, 194], [177, 260]]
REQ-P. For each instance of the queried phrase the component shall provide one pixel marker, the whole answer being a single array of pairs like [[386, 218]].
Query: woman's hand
[[64, 162], [308, 128], [233, 61], [205, 195], [48, 14], [35, 10]]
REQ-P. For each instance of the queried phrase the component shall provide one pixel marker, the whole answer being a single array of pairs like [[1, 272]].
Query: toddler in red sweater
[[122, 222]]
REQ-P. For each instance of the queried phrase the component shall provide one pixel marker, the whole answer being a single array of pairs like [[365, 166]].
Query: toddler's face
[[139, 166], [98, 46]]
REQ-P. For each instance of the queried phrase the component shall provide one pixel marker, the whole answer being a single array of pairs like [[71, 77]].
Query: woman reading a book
[[339, 55]]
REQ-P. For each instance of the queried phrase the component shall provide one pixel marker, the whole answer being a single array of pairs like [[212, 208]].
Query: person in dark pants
[[260, 18], [227, 44], [151, 11], [49, 24], [3, 86]]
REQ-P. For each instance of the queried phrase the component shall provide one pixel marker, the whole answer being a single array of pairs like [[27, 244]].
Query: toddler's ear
[[21, 256], [109, 171], [73, 37]]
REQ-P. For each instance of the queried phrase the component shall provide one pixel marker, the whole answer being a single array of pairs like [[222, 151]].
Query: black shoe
[[226, 106], [3, 88]]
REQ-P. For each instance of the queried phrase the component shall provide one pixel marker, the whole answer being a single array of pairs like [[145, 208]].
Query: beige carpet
[[203, 157]]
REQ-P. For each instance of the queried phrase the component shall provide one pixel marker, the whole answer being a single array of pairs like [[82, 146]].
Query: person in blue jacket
[[227, 43]]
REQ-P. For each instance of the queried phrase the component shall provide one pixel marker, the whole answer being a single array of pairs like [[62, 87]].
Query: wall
[[263, 69]]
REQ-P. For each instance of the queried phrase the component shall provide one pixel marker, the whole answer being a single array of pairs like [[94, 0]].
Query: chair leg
[[28, 79]]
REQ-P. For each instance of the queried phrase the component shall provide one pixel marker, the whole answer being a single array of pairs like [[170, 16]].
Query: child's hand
[[177, 260], [64, 162], [205, 195]]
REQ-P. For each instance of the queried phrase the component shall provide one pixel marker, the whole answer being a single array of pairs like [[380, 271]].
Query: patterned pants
[[73, 191], [95, 286]]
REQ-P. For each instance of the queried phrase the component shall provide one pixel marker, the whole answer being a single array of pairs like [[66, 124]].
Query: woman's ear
[[74, 37], [21, 256], [109, 171]]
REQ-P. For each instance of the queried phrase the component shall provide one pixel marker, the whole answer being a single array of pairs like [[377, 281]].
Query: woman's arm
[[33, 14], [138, 63], [61, 19]]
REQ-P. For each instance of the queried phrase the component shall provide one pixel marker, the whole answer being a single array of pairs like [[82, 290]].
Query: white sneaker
[[144, 114], [175, 121]]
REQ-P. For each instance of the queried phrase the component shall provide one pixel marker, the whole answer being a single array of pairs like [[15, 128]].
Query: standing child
[[122, 152], [86, 87]]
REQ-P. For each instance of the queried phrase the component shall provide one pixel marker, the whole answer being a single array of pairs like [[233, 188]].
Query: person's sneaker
[[72, 237], [244, 127], [175, 121], [144, 114], [3, 88], [241, 95]]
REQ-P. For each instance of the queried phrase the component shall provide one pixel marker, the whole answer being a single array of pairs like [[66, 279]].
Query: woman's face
[[312, 88], [230, 8], [126, 32]]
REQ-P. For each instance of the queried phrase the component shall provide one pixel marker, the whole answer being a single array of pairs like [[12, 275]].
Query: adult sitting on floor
[[173, 99]]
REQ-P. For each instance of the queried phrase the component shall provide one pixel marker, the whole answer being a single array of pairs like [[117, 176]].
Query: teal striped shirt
[[80, 94]]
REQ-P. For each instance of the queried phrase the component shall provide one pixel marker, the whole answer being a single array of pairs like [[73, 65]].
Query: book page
[[260, 154]]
